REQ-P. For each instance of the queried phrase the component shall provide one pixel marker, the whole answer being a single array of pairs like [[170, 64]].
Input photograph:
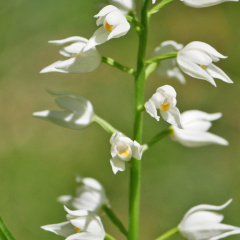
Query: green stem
[[108, 237], [162, 57], [131, 18], [115, 219], [118, 65], [104, 124], [135, 171], [150, 68], [159, 6], [169, 234], [5, 233], [157, 138]]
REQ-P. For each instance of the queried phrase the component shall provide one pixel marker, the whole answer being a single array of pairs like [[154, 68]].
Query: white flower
[[81, 225], [125, 6], [90, 195], [200, 223], [168, 68], [78, 61], [114, 24], [204, 3], [195, 126], [78, 112], [122, 150], [196, 58], [165, 100]]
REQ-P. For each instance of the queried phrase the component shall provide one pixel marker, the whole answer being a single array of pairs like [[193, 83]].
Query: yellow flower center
[[124, 152], [77, 55], [108, 27], [203, 66], [165, 107], [77, 229]]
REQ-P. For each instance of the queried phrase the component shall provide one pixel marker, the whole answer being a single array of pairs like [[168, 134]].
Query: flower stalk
[[108, 237], [135, 171], [115, 220], [104, 124], [118, 65], [169, 234], [158, 7], [162, 57]]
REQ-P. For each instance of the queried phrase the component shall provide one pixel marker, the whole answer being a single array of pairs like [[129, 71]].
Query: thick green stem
[[5, 234], [159, 6], [104, 124], [168, 234], [115, 220], [108, 237], [161, 57], [135, 171], [118, 65], [157, 138]]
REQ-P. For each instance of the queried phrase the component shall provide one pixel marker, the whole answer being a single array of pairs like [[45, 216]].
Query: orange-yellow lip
[[165, 107], [108, 27]]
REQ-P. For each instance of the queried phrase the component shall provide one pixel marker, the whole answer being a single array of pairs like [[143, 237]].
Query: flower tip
[[41, 114]]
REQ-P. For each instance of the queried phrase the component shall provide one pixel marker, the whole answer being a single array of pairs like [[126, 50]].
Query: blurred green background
[[38, 160]]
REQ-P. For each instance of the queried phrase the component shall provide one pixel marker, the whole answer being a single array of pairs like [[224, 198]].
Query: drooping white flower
[[195, 126], [90, 195], [196, 59], [125, 6], [200, 223], [78, 112], [168, 68], [122, 150], [204, 3], [81, 225], [114, 24], [165, 100], [78, 61]]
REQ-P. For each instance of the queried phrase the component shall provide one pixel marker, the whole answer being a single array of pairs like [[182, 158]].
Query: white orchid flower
[[165, 100], [122, 150], [78, 61], [78, 112], [114, 24], [195, 126], [200, 223], [168, 68], [90, 195], [125, 6], [196, 59], [81, 225], [204, 3]]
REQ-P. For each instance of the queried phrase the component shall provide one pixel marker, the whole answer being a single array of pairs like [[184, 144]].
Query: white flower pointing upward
[[78, 112], [200, 223], [196, 59], [81, 225], [165, 100], [122, 150], [168, 68], [195, 126], [90, 195], [125, 6], [114, 24], [78, 61], [204, 3]]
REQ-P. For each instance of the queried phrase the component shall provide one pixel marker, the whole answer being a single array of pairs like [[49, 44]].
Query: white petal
[[218, 73], [151, 109], [193, 69], [172, 116], [92, 183], [137, 150], [204, 207], [224, 235], [204, 46], [100, 36], [124, 5], [85, 236], [198, 125], [205, 3], [117, 165], [72, 49], [63, 229], [106, 10], [53, 68], [119, 31], [167, 90], [193, 115], [190, 138], [68, 40], [78, 213]]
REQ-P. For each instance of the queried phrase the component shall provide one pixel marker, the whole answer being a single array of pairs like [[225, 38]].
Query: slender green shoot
[[169, 234], [159, 6], [161, 57], [108, 237], [5, 234]]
